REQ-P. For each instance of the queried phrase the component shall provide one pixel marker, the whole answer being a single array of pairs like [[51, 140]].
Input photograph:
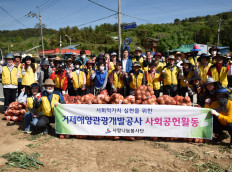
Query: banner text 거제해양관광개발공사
[[133, 120]]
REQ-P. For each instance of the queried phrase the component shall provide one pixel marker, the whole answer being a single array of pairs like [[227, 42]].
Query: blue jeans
[[28, 117]]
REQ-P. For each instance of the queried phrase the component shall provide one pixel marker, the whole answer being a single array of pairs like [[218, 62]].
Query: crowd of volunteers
[[43, 85]]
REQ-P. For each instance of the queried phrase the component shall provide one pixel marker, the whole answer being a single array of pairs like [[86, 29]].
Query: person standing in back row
[[170, 75], [9, 80]]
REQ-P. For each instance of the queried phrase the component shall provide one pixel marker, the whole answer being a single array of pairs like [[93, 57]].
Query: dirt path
[[117, 156]]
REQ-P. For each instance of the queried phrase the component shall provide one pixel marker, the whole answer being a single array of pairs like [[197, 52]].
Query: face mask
[[222, 101], [77, 66], [83, 57], [49, 91], [102, 68], [214, 52]]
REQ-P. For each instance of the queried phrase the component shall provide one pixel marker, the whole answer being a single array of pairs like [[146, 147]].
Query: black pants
[[157, 93], [170, 90], [218, 127], [79, 92], [71, 91], [19, 87], [44, 121], [10, 96], [229, 81]]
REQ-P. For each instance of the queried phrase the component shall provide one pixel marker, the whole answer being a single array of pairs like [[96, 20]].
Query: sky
[[82, 13]]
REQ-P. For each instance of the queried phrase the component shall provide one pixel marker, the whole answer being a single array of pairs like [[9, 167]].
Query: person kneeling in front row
[[222, 114], [49, 99]]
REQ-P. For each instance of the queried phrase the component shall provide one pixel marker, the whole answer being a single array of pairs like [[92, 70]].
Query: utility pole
[[119, 28], [70, 41], [38, 16], [219, 28], [60, 45]]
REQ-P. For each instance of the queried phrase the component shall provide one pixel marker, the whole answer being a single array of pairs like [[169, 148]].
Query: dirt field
[[108, 155]]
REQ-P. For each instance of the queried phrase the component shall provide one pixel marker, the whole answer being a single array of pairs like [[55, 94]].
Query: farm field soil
[[104, 155]]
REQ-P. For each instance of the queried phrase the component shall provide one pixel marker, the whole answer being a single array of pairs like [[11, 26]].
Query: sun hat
[[171, 57], [203, 55], [136, 64], [113, 54], [138, 49], [34, 85], [210, 80], [196, 48], [219, 55], [17, 55], [179, 53], [157, 54], [185, 62], [28, 58], [45, 63], [213, 48], [9, 56], [48, 82]]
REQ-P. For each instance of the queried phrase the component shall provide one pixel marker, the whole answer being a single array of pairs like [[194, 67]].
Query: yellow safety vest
[[220, 77], [112, 67], [192, 61], [160, 66], [47, 107], [203, 71], [140, 61], [135, 82], [155, 81], [9, 77], [30, 104], [29, 77], [118, 82], [78, 80], [189, 76], [171, 77], [59, 84], [89, 82]]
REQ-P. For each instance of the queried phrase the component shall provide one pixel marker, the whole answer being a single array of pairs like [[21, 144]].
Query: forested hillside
[[200, 30]]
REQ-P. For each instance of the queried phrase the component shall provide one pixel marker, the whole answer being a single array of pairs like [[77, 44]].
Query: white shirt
[[124, 65]]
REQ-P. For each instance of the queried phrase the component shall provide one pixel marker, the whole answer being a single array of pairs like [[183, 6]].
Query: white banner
[[133, 120]]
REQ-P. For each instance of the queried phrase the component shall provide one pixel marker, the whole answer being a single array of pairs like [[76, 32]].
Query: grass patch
[[22, 160], [34, 137], [225, 149], [209, 166], [160, 145], [187, 155], [134, 169], [33, 145]]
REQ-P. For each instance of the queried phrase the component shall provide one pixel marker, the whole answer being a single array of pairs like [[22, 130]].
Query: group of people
[[43, 85]]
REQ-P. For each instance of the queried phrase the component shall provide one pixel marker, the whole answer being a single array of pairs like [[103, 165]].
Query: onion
[[99, 102], [125, 101]]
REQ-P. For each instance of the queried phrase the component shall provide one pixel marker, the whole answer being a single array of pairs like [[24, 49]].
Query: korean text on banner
[[133, 120]]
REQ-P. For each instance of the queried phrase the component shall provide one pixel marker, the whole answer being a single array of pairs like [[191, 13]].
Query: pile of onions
[[87, 99], [101, 99], [143, 92], [116, 98], [184, 101], [151, 101], [15, 111], [72, 99], [166, 100], [131, 100]]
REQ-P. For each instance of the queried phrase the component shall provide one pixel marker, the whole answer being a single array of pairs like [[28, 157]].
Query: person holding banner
[[31, 113], [222, 114], [136, 77], [49, 99]]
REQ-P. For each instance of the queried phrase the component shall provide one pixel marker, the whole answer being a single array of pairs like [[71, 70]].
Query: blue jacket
[[83, 62], [128, 64], [100, 79]]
